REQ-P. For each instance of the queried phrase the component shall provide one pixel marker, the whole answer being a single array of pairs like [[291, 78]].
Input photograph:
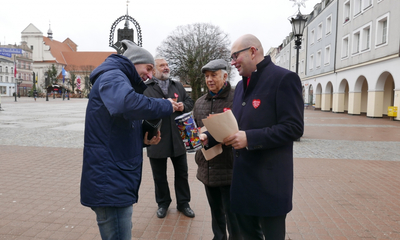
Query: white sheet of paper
[[221, 125]]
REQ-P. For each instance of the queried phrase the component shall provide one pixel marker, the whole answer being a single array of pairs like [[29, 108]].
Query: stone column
[[397, 103], [326, 102], [354, 103], [338, 103], [317, 101], [375, 104]]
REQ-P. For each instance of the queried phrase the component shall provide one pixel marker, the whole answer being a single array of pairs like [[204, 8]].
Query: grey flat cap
[[136, 54], [215, 65]]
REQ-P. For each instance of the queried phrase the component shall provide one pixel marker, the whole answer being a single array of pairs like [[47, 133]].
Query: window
[[367, 4], [356, 42], [302, 66], [319, 32], [327, 55], [346, 12], [312, 37], [382, 28], [311, 62], [1, 78], [328, 25], [345, 47], [6, 79], [366, 38], [6, 70], [1, 69], [318, 60], [357, 7]]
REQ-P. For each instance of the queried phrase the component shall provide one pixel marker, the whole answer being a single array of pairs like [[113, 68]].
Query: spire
[[49, 32], [127, 21]]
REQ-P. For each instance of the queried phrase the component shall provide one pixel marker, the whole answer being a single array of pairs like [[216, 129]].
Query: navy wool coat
[[113, 145], [270, 110]]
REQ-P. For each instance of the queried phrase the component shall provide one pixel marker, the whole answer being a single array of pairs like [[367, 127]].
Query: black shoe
[[162, 212], [187, 211]]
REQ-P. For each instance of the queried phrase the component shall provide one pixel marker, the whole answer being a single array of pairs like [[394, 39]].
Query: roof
[[66, 54], [56, 49], [79, 60]]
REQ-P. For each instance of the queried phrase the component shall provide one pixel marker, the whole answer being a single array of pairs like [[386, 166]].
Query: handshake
[[177, 106]]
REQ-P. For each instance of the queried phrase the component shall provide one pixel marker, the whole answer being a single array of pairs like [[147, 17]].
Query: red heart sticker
[[226, 109], [256, 103], [176, 95]]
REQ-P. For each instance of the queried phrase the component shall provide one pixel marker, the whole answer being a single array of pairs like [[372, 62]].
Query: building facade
[[352, 57], [22, 83], [48, 52]]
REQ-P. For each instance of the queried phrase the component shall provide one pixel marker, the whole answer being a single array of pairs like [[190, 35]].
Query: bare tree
[[189, 48], [73, 70], [86, 71]]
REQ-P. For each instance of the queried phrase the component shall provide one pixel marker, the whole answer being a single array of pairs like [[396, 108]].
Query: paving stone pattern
[[347, 183]]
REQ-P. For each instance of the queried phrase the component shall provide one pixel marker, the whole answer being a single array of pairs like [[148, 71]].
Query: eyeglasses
[[235, 55]]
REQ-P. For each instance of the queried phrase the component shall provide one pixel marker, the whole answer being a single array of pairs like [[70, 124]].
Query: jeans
[[115, 223]]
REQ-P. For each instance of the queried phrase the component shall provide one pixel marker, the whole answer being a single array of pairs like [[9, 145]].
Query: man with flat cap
[[216, 173], [113, 142]]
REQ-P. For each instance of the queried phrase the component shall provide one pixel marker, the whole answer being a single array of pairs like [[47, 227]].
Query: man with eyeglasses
[[268, 107]]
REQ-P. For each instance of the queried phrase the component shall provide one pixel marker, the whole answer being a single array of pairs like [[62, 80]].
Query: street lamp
[[19, 81], [46, 75], [54, 93], [298, 25]]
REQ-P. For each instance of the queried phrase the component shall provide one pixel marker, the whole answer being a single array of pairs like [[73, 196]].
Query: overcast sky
[[88, 22]]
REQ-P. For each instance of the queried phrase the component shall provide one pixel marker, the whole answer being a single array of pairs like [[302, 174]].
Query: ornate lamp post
[[19, 81], [46, 77], [125, 33], [298, 25]]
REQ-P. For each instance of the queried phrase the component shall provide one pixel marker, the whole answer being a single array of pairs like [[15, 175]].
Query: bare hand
[[204, 139], [181, 107], [154, 141], [174, 104], [237, 140]]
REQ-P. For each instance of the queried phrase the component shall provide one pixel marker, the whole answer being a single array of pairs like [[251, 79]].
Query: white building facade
[[352, 57]]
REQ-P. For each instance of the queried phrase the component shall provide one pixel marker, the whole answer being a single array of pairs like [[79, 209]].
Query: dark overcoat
[[270, 110], [171, 144]]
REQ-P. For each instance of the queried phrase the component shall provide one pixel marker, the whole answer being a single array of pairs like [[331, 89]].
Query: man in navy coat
[[269, 108]]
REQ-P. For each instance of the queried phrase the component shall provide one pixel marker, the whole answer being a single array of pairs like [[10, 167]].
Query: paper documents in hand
[[211, 152], [221, 125]]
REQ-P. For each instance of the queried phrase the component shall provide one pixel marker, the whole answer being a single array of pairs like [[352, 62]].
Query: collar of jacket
[[254, 75], [223, 94]]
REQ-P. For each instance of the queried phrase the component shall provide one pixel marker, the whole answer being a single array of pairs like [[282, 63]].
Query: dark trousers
[[182, 191], [219, 200], [253, 228]]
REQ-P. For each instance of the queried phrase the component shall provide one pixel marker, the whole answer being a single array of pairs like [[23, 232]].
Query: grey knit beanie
[[136, 54]]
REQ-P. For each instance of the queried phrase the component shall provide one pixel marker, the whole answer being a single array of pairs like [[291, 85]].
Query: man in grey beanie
[[114, 141]]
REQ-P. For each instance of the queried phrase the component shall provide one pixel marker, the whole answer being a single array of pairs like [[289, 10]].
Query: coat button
[[243, 104], [237, 154]]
